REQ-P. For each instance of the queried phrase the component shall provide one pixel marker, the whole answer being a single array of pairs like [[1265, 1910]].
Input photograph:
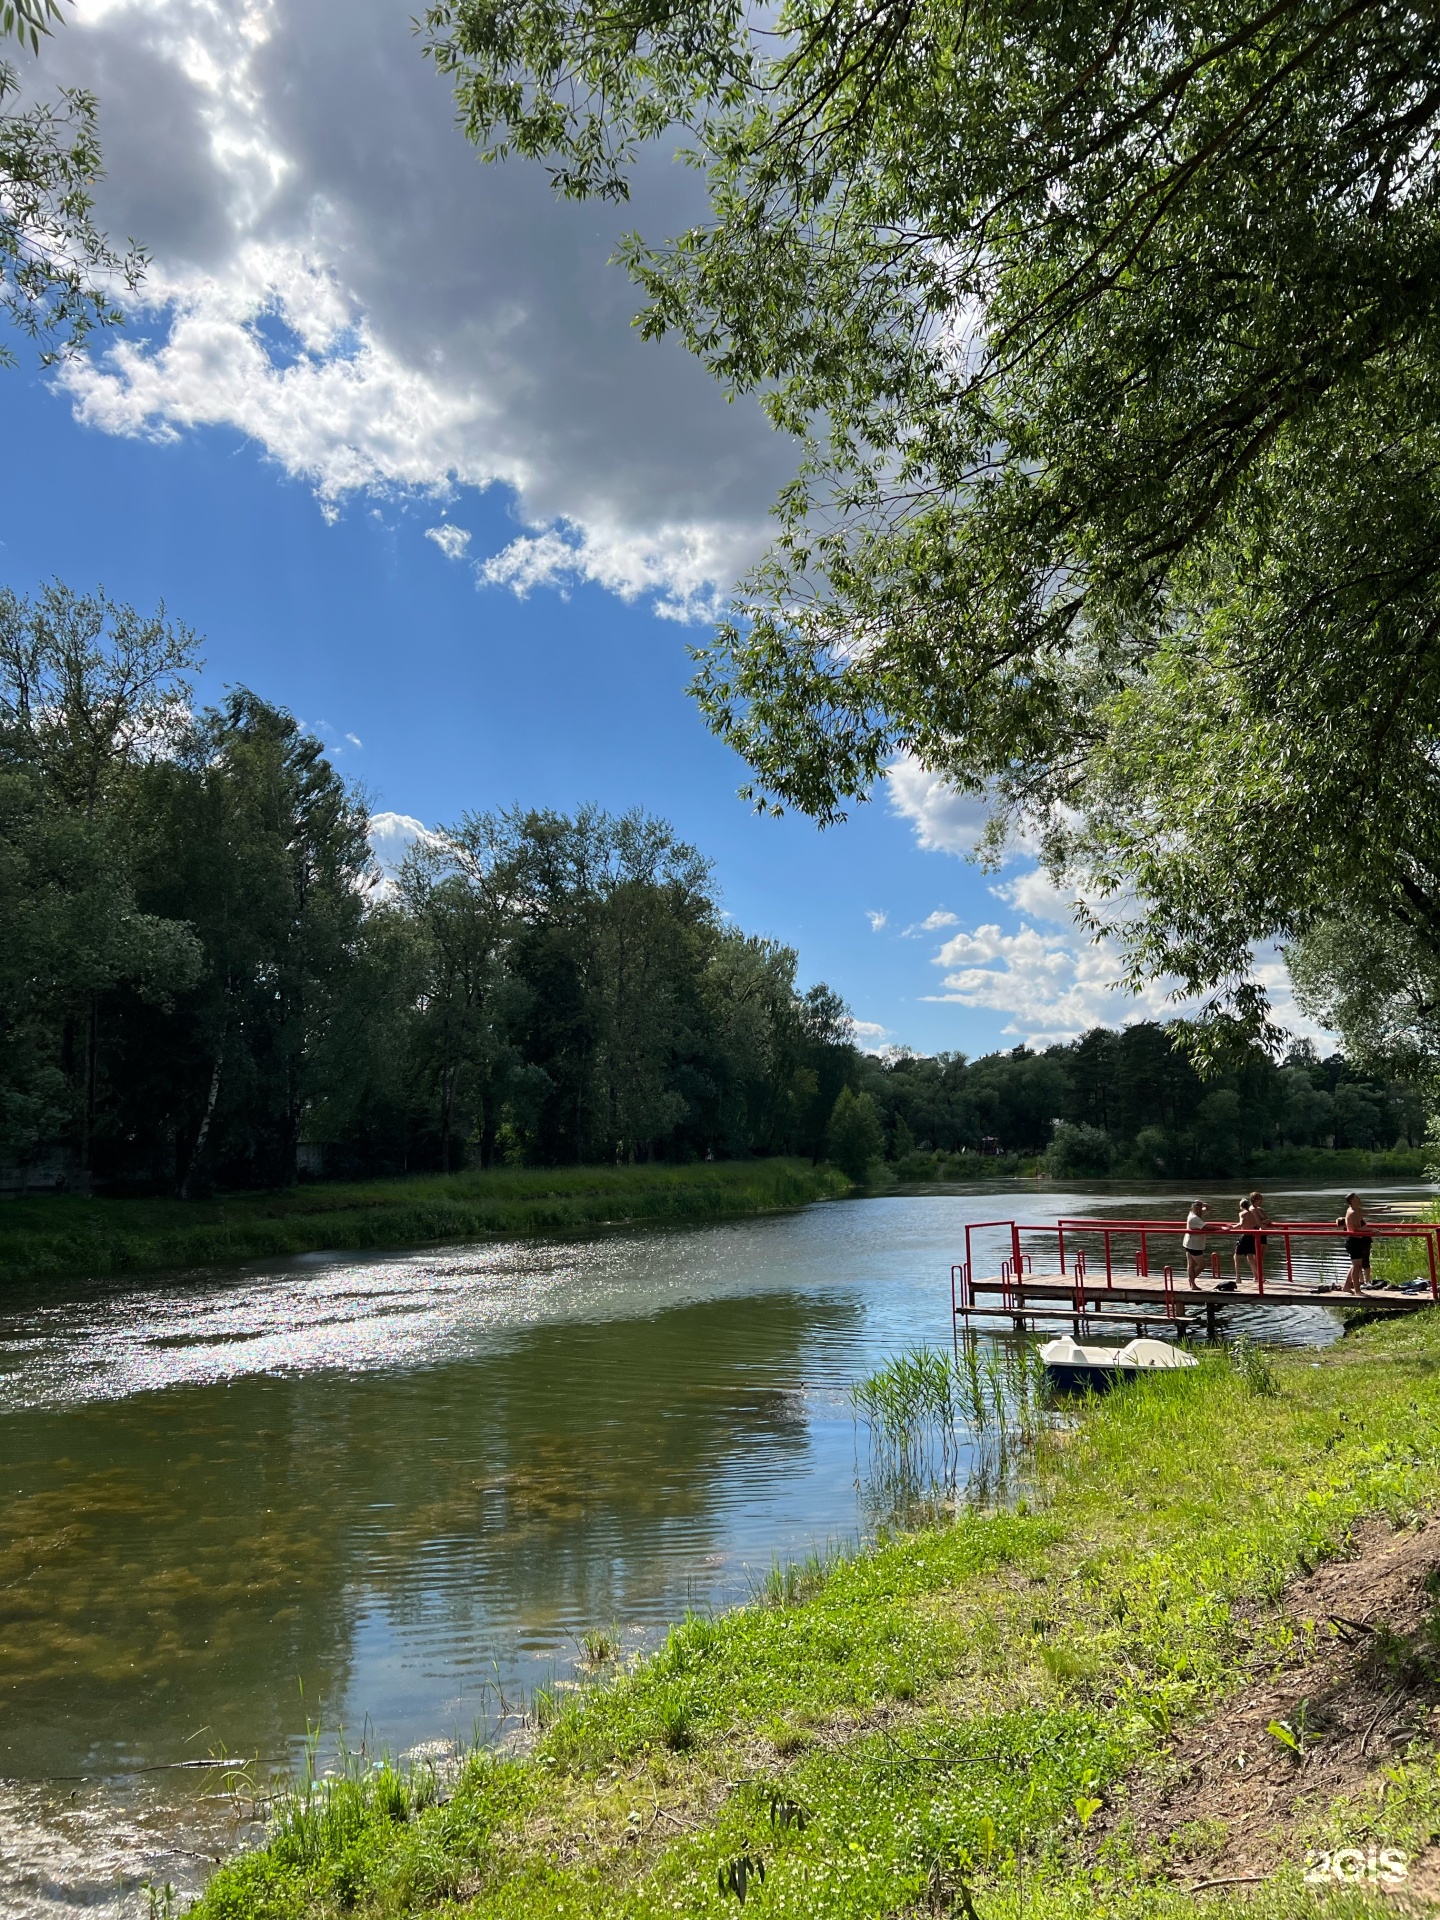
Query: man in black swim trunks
[[1252, 1217], [1357, 1244]]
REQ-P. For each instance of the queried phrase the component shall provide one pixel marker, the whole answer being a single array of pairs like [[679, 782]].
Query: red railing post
[[1060, 1235], [1430, 1248], [1143, 1266], [1019, 1264], [1109, 1269], [1259, 1240], [1289, 1261]]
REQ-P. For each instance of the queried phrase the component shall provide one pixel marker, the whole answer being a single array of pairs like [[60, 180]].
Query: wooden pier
[[1105, 1292], [1151, 1305]]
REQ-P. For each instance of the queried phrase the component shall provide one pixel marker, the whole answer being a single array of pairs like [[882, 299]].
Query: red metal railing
[[1018, 1262]]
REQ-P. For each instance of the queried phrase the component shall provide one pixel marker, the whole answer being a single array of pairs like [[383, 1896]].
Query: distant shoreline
[[1359, 1164], [65, 1237]]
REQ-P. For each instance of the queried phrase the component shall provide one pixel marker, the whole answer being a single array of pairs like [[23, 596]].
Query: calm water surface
[[379, 1494]]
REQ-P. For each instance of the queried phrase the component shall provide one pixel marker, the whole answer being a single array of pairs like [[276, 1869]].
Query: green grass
[[937, 1721], [918, 1169], [1341, 1163], [61, 1234], [1329, 1164]]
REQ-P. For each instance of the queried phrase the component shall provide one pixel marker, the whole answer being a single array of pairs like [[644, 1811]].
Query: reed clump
[[927, 1399]]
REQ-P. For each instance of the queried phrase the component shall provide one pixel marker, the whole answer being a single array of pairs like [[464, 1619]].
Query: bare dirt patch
[[1239, 1794]]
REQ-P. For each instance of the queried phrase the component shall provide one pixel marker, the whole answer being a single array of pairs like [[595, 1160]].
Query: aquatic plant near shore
[[926, 1393], [926, 1410]]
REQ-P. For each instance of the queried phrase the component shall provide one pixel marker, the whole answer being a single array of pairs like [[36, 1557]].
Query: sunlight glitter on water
[[407, 1484]]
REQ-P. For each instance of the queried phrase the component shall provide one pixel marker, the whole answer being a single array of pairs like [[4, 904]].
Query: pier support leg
[[1212, 1324]]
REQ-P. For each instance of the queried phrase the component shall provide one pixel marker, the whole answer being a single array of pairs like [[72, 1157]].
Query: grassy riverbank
[[957, 1721], [60, 1234]]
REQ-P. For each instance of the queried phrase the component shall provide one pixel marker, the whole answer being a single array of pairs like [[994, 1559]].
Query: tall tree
[[254, 839], [458, 889], [1112, 342], [92, 695]]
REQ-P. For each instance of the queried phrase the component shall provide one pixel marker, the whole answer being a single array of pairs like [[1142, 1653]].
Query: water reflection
[[404, 1483]]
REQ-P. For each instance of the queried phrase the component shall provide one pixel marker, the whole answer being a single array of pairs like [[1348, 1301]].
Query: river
[[382, 1497]]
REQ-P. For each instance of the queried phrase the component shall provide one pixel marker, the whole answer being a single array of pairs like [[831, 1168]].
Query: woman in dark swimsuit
[[1357, 1244]]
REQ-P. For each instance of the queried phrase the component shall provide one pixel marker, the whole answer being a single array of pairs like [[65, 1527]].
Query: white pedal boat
[[1069, 1364]]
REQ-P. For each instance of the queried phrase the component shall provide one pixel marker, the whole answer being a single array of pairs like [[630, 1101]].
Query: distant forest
[[205, 982], [1131, 1102]]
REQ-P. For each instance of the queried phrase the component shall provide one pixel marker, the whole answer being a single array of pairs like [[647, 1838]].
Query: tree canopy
[[1110, 337], [204, 978], [59, 275]]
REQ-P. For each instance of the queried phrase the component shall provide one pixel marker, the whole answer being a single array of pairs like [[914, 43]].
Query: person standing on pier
[[1357, 1244], [1194, 1243], [1248, 1247]]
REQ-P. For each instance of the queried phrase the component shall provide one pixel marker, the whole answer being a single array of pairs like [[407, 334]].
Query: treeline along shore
[[207, 983], [209, 989]]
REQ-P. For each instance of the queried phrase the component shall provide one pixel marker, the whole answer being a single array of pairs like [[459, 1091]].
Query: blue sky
[[383, 435]]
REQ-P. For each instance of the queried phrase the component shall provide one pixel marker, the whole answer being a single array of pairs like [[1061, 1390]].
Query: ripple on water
[[410, 1483]]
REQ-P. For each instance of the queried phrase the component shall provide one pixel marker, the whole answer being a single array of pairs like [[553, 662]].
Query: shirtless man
[[1357, 1244], [1252, 1217]]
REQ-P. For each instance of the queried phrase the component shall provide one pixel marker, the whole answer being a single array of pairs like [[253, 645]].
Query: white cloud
[[877, 920], [945, 821], [380, 313], [354, 739], [391, 837], [679, 565], [870, 1035], [1055, 986], [932, 923], [451, 540], [1036, 894]]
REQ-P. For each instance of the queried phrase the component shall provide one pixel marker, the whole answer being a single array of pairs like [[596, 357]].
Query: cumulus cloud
[[451, 540], [336, 277], [1049, 978], [945, 821], [1055, 985], [869, 1035], [679, 565], [932, 923], [1035, 893], [391, 837]]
